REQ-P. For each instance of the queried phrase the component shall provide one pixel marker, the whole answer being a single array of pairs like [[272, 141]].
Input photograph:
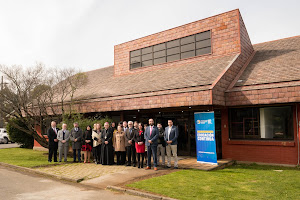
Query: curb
[[19, 168], [138, 193]]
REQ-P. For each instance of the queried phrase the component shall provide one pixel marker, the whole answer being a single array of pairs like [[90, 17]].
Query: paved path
[[16, 185], [9, 145]]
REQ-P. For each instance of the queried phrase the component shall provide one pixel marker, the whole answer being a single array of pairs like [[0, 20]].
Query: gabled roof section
[[274, 62], [102, 82]]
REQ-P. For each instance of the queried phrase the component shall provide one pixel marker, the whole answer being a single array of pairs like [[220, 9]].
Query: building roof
[[103, 83], [274, 62]]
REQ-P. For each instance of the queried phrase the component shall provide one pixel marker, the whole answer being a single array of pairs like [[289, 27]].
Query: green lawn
[[235, 182], [24, 157]]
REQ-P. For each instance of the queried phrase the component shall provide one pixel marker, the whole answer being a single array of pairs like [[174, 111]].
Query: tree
[[38, 95]]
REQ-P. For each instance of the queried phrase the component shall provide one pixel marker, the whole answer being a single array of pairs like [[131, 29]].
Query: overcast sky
[[82, 33]]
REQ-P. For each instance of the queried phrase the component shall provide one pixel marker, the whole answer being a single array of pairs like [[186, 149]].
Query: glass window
[[187, 40], [261, 123], [135, 53], [173, 57], [203, 36], [203, 43], [159, 60], [147, 56], [173, 51], [202, 51], [187, 47], [159, 47], [187, 54], [174, 43], [147, 63], [159, 54], [147, 50], [135, 59], [135, 65]]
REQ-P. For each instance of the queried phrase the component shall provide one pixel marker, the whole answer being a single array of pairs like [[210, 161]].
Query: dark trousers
[[152, 149], [79, 154], [139, 159], [52, 151], [131, 155], [97, 153], [121, 155]]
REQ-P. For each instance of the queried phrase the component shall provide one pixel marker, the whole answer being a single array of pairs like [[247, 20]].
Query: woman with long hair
[[140, 145]]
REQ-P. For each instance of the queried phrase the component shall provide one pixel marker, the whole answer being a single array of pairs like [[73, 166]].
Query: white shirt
[[169, 131]]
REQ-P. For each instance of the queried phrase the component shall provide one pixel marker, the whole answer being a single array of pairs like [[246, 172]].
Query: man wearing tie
[[130, 144], [75, 137], [151, 137], [125, 126], [171, 135], [52, 136], [63, 137]]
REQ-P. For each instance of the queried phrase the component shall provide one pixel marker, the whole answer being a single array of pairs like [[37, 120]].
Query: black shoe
[[55, 160], [175, 167], [128, 165], [134, 165], [168, 167]]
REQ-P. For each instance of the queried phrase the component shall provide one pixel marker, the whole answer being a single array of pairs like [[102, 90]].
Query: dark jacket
[[129, 136], [161, 137], [51, 136], [153, 137], [139, 138], [107, 135], [173, 134], [87, 135], [76, 135]]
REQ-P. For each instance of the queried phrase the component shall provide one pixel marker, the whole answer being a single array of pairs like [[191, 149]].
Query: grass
[[235, 182], [25, 157]]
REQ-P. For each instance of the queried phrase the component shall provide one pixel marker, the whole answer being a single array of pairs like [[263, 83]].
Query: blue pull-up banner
[[205, 137]]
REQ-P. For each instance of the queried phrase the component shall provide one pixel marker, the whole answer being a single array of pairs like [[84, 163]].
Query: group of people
[[137, 141]]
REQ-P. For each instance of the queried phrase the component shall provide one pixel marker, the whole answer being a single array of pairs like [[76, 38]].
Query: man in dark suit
[[151, 137], [76, 137], [130, 144], [171, 135], [52, 142]]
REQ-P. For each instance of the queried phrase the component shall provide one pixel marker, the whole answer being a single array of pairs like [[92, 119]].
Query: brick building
[[207, 65]]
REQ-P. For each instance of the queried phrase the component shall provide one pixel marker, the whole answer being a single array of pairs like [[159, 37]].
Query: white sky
[[82, 33]]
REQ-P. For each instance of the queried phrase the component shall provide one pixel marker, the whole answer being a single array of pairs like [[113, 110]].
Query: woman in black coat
[[107, 157]]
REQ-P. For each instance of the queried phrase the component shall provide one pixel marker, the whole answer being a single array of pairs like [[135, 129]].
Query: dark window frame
[[206, 49], [259, 137]]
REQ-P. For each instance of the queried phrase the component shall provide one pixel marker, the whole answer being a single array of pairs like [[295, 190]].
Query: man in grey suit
[[63, 137], [76, 137], [151, 137], [171, 135]]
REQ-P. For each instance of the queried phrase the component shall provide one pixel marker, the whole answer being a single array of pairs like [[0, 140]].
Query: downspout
[[297, 132]]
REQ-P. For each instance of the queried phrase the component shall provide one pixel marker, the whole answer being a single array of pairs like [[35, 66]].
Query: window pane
[[276, 123], [135, 65], [187, 54], [203, 51], [160, 54], [159, 47], [173, 57], [203, 36], [173, 43], [147, 50], [203, 43], [188, 47], [244, 123], [159, 60], [147, 63], [173, 51], [135, 53], [188, 40], [135, 59], [147, 56]]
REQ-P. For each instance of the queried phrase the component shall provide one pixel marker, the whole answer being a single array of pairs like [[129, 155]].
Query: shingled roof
[[102, 82], [274, 62]]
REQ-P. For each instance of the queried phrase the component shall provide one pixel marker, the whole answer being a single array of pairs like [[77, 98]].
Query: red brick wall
[[159, 101], [259, 151], [224, 81], [258, 95], [225, 40]]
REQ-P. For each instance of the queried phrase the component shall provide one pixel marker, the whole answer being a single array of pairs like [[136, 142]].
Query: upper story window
[[190, 46]]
